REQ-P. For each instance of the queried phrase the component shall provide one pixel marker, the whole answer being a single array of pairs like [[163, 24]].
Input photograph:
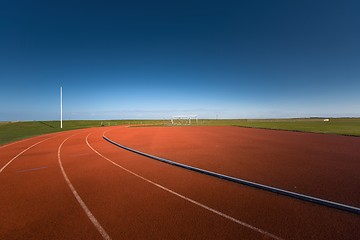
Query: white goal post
[[183, 119]]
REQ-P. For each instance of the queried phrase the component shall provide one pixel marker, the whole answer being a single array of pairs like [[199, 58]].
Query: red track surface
[[132, 197]]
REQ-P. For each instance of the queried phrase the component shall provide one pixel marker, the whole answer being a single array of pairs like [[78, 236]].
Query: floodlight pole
[[60, 107]]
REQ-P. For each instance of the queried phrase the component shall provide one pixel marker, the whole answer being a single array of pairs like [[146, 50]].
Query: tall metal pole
[[60, 107]]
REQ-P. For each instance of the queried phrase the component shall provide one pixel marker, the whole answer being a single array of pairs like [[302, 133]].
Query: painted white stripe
[[268, 188], [78, 198], [188, 199], [23, 140], [9, 144], [2, 169]]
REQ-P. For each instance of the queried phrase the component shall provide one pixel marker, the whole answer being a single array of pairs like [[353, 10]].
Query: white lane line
[[2, 169], [78, 198], [9, 144], [24, 140], [188, 199], [299, 196]]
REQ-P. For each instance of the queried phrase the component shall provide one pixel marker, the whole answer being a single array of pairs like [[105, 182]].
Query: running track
[[75, 185]]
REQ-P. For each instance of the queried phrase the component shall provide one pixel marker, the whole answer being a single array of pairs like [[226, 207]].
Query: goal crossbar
[[187, 118]]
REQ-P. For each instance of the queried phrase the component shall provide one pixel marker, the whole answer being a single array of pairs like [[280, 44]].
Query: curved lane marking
[[26, 139], [303, 197], [9, 144], [78, 198], [2, 169], [188, 199]]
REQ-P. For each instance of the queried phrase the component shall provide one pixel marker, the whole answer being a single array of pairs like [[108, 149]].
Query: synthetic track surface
[[133, 197]]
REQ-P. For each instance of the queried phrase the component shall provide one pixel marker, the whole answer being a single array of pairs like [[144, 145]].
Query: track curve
[[37, 203], [320, 165], [299, 196]]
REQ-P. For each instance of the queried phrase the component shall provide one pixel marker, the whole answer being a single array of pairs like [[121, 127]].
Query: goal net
[[184, 119]]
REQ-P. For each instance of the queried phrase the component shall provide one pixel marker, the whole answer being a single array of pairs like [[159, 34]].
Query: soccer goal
[[183, 119], [104, 124]]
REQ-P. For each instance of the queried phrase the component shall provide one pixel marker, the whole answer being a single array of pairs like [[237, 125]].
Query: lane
[[91, 217], [6, 145], [130, 208], [23, 151], [324, 166], [307, 198], [146, 200], [11, 150], [289, 219], [38, 204], [266, 234]]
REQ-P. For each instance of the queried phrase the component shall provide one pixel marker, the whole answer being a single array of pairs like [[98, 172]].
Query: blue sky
[[154, 59]]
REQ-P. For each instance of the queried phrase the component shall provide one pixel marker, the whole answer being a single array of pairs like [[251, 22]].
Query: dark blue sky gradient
[[154, 59]]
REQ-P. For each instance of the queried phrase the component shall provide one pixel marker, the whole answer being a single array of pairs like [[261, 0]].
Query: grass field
[[342, 126], [13, 131]]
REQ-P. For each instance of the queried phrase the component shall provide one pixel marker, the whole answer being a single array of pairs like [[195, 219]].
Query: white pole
[[60, 107]]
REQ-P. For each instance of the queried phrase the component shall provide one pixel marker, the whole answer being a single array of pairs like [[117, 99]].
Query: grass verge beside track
[[13, 131], [341, 126]]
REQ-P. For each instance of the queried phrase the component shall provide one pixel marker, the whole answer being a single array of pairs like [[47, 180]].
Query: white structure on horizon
[[183, 118], [61, 112]]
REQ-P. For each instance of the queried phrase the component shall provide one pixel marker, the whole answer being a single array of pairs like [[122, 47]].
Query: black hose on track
[[283, 192]]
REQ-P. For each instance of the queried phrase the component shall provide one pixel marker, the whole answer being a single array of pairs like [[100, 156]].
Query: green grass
[[13, 131], [3, 123], [342, 126]]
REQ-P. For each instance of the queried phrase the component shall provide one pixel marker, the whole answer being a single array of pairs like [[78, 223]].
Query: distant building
[[326, 120]]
